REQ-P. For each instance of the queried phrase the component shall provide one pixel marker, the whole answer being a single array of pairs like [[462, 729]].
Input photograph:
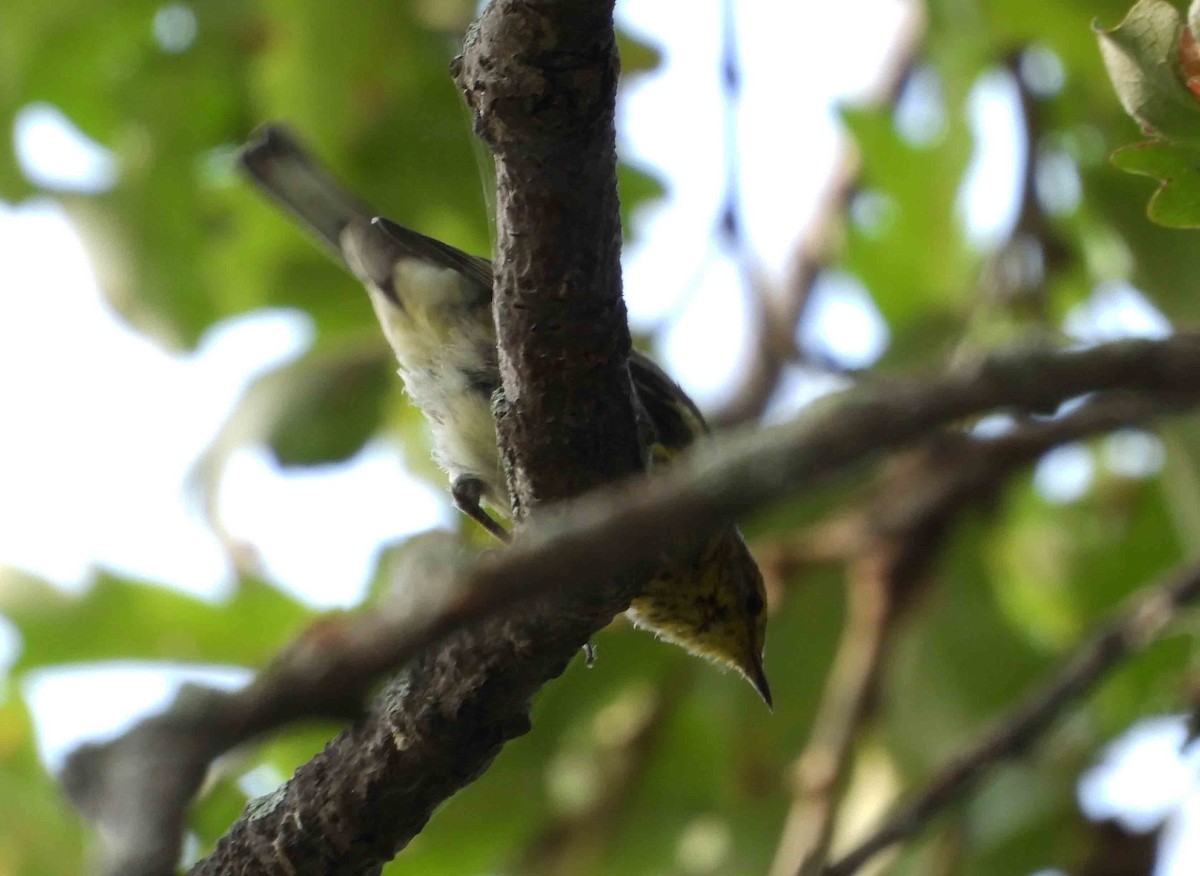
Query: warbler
[[434, 304]]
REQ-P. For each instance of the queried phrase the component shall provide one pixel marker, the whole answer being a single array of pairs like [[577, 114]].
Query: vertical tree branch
[[541, 78]]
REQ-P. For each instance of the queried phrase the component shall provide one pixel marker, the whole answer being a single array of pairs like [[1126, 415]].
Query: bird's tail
[[285, 170]]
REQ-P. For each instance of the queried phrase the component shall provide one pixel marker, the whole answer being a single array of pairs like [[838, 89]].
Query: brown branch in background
[[1144, 619], [1016, 276], [1193, 720], [777, 313], [1031, 218], [931, 484], [1117, 851], [821, 770], [889, 546], [374, 786]]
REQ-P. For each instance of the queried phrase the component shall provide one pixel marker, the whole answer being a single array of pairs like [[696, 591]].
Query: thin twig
[[1018, 272], [777, 313]]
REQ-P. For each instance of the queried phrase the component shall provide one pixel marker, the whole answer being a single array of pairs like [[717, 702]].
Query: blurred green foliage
[[648, 762]]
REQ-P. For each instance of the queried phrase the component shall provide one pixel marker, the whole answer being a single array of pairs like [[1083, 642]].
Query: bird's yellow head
[[712, 605]]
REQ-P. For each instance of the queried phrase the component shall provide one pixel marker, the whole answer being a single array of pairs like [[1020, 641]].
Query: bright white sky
[[104, 427]]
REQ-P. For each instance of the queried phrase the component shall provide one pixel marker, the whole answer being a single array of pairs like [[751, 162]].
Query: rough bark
[[541, 78]]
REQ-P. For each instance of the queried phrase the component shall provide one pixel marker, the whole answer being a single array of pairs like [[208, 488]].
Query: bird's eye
[[754, 603]]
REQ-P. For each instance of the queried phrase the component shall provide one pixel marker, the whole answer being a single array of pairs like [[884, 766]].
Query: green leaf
[[944, 682], [1176, 202], [117, 618], [329, 411], [217, 808], [1023, 818], [919, 296], [636, 56], [636, 188], [39, 834], [1142, 57]]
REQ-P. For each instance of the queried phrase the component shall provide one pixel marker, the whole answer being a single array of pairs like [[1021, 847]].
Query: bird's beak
[[757, 677]]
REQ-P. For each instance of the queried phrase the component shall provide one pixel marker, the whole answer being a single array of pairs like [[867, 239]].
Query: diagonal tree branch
[[1144, 619], [468, 691]]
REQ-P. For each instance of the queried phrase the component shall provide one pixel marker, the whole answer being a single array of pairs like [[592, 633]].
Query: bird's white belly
[[440, 353]]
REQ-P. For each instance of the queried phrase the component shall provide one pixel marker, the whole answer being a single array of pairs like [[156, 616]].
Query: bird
[[433, 302]]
